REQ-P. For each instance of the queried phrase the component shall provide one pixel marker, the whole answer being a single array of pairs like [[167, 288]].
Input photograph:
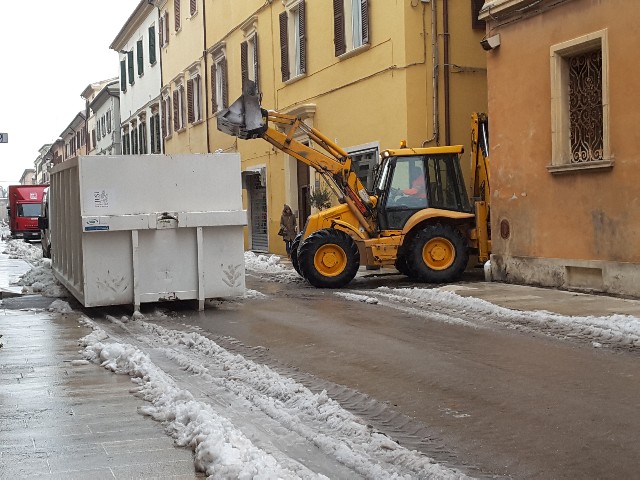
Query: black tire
[[329, 258], [438, 254], [401, 265], [294, 253], [46, 249]]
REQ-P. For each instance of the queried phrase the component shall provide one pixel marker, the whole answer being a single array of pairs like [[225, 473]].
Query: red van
[[24, 209]]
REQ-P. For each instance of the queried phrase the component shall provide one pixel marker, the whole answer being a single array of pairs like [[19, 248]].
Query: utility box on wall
[[144, 228]]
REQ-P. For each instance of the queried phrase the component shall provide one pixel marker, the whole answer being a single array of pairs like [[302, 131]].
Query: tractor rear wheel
[[329, 258], [438, 254], [401, 265]]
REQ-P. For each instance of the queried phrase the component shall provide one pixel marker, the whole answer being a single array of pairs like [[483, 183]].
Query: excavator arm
[[246, 119], [479, 184]]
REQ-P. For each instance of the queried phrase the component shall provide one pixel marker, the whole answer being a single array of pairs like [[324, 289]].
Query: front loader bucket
[[245, 118]]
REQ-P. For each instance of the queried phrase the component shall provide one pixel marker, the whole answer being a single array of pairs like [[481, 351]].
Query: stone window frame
[[560, 124], [351, 27], [293, 41]]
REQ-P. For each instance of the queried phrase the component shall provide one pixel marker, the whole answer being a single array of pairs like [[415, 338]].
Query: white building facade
[[140, 82], [106, 113]]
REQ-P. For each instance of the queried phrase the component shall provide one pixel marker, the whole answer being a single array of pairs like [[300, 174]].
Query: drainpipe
[[206, 79], [162, 132], [445, 33], [434, 75]]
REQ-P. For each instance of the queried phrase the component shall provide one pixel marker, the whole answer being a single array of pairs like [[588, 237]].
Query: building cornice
[[135, 20], [503, 9]]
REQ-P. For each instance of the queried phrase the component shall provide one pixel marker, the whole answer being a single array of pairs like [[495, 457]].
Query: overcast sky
[[51, 51]]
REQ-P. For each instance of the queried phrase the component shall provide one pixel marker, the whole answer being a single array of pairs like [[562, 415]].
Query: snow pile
[[248, 294], [220, 449], [263, 263], [18, 248], [315, 417], [40, 280], [60, 306], [615, 329], [357, 298], [270, 264]]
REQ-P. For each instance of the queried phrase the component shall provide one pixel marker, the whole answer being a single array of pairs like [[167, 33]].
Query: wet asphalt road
[[492, 401]]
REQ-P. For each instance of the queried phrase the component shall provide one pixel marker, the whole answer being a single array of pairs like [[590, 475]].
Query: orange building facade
[[563, 105]]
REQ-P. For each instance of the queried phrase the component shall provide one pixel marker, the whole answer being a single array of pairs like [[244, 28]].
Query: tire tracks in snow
[[276, 413]]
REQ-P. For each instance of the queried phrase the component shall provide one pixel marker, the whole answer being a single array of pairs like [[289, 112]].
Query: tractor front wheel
[[329, 258]]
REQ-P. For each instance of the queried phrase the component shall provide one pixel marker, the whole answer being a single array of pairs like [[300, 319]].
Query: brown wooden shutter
[[364, 8], [176, 112], [192, 7], [284, 47], [164, 118], [225, 83], [161, 30], [158, 135], [302, 33], [256, 63], [169, 115], [190, 114], [214, 100], [176, 13], [244, 63], [338, 27]]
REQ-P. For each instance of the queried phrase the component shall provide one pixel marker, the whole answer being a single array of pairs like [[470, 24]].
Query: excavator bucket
[[245, 118]]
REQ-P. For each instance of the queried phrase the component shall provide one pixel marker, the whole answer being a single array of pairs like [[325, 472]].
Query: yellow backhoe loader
[[418, 218]]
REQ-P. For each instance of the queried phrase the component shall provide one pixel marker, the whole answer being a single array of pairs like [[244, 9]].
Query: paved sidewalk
[[66, 419], [524, 297]]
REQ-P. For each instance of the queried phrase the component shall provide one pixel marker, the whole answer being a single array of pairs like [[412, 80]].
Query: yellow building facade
[[367, 74], [182, 44]]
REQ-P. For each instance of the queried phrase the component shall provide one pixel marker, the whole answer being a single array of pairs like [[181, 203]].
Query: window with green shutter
[[123, 75], [130, 67], [152, 45], [140, 52]]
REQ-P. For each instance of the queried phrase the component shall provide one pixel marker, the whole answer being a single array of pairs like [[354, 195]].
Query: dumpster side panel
[[170, 260], [109, 269], [133, 184], [66, 235], [223, 261]]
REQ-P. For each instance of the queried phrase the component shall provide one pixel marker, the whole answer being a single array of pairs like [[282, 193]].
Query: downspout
[[206, 79], [434, 75], [445, 33], [162, 133]]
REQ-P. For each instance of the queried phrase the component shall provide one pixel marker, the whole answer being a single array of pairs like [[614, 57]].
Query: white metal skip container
[[145, 228]]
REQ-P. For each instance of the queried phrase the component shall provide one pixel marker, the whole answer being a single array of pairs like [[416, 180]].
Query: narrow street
[[475, 392], [384, 379]]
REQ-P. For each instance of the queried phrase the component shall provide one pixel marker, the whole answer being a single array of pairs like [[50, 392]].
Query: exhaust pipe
[[245, 118]]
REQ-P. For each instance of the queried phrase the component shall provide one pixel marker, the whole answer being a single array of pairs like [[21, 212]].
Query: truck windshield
[[29, 210]]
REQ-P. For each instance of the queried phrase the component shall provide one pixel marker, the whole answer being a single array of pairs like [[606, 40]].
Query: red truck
[[24, 209]]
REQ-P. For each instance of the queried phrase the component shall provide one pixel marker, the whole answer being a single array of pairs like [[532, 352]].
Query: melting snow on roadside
[[446, 305], [271, 266], [18, 248], [221, 449], [40, 278]]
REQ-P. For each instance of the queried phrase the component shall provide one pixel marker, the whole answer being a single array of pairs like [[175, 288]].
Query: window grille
[[585, 107]]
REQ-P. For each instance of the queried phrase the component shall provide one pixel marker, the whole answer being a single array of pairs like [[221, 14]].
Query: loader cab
[[410, 180]]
